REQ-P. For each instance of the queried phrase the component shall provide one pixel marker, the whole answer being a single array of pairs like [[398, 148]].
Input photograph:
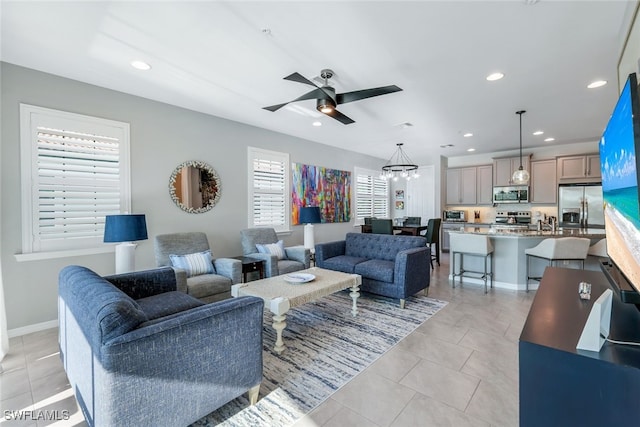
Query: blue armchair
[[139, 352]]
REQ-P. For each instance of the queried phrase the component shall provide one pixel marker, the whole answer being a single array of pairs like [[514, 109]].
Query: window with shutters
[[372, 195], [269, 196], [75, 170]]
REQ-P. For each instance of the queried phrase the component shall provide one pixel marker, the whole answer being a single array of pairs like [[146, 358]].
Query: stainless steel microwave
[[513, 194], [454, 216]]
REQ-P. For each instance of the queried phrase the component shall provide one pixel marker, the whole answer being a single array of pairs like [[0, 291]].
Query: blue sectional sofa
[[138, 352], [390, 265]]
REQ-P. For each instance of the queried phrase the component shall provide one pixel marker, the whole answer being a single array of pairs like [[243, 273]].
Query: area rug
[[326, 347]]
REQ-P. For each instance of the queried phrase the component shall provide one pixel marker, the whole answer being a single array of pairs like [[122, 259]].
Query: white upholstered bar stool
[[558, 249], [475, 245], [599, 249]]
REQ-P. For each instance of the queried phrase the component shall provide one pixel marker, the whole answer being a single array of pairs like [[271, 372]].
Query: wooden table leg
[[354, 296], [279, 307]]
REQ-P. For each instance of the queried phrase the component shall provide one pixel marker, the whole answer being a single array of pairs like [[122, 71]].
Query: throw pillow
[[276, 249], [194, 264]]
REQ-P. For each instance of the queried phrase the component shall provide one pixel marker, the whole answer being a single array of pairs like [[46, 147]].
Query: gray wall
[[162, 136]]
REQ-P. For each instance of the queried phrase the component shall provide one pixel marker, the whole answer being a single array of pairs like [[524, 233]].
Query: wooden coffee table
[[279, 296]]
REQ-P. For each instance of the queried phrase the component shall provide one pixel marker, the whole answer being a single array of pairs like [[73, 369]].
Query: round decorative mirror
[[195, 187]]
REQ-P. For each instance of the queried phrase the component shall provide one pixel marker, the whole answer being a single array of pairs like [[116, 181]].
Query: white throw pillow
[[194, 264], [276, 249]]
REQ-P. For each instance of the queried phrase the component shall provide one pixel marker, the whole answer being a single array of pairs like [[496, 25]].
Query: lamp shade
[[125, 228], [310, 215]]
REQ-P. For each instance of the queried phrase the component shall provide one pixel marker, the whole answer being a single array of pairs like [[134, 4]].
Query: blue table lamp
[[309, 215], [125, 229]]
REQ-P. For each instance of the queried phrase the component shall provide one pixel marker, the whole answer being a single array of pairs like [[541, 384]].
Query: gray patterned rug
[[326, 347]]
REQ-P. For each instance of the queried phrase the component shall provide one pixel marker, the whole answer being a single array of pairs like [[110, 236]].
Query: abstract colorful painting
[[329, 189]]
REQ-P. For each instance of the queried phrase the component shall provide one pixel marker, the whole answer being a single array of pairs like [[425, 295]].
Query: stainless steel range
[[513, 219]]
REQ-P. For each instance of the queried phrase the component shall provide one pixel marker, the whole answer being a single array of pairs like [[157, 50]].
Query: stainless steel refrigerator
[[580, 205]]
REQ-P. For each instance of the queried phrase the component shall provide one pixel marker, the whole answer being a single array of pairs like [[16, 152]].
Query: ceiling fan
[[327, 99]]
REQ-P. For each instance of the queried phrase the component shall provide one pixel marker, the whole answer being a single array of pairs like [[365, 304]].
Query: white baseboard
[[496, 284], [17, 332]]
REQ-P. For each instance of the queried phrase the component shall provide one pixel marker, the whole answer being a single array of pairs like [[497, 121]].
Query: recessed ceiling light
[[140, 65], [495, 76], [549, 139], [316, 123], [597, 83], [538, 132], [468, 134], [471, 149]]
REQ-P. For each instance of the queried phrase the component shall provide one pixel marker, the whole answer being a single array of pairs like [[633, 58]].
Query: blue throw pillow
[[276, 249], [194, 264]]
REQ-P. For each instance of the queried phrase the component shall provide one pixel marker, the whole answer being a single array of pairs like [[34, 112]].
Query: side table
[[250, 265]]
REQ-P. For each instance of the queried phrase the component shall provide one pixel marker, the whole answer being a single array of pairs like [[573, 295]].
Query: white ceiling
[[228, 59]]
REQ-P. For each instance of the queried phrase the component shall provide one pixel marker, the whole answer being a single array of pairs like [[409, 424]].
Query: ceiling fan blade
[[274, 107], [357, 95], [314, 94], [297, 77], [335, 114]]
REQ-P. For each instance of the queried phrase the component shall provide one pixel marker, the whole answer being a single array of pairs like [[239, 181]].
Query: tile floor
[[460, 368]]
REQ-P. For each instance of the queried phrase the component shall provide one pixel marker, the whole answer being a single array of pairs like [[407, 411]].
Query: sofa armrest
[[229, 267], [142, 284], [300, 254], [324, 251], [412, 269], [270, 263], [181, 279]]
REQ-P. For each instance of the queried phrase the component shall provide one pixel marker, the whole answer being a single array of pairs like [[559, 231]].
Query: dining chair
[[382, 226], [433, 238]]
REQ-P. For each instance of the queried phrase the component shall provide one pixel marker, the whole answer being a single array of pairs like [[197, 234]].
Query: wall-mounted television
[[619, 146]]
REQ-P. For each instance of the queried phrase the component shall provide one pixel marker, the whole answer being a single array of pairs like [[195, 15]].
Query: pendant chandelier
[[521, 176], [399, 165]]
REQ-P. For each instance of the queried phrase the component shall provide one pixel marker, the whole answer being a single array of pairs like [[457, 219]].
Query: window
[[269, 195], [372, 195], [75, 170]]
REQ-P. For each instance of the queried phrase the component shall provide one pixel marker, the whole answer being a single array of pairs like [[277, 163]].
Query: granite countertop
[[590, 233]]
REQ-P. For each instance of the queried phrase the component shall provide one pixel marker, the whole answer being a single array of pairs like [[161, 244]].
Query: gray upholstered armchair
[[295, 257], [208, 287]]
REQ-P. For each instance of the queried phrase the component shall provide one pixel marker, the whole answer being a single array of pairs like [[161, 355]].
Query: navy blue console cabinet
[[563, 386]]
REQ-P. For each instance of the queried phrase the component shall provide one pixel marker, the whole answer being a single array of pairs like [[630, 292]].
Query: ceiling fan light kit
[[399, 165], [521, 176], [327, 99]]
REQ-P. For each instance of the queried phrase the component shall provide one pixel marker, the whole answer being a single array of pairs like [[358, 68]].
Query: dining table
[[413, 230]]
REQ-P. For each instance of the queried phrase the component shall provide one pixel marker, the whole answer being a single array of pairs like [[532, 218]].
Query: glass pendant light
[[521, 176]]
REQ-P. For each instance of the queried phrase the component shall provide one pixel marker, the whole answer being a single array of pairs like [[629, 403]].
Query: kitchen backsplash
[[488, 213]]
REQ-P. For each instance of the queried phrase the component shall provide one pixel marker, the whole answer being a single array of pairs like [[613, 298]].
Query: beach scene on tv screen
[[620, 190]]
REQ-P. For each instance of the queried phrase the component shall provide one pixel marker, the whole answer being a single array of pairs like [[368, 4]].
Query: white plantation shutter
[[372, 194], [269, 189], [76, 169]]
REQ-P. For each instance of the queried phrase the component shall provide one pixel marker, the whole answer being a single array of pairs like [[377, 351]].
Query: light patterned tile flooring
[[460, 368]]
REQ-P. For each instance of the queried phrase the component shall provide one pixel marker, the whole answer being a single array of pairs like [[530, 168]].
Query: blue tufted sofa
[[391, 265], [138, 352]]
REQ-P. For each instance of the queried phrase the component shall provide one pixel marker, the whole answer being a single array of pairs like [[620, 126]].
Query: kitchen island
[[509, 260]]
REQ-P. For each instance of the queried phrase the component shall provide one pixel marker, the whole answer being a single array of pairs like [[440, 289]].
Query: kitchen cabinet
[[484, 185], [580, 168], [543, 181], [461, 186], [504, 168], [471, 185], [445, 244]]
